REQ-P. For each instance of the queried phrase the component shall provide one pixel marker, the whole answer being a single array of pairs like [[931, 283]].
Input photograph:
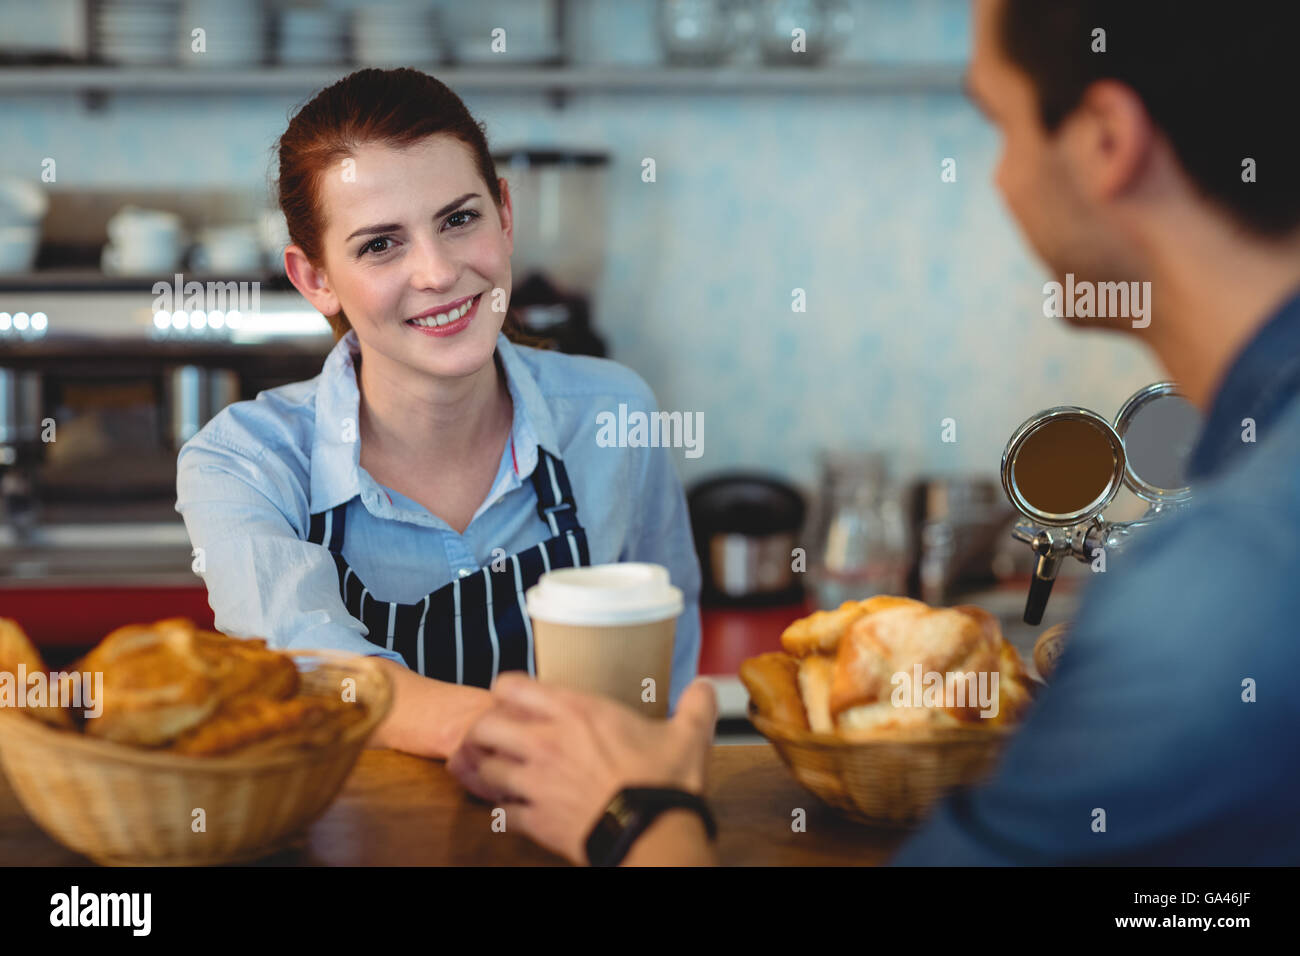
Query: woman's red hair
[[395, 107]]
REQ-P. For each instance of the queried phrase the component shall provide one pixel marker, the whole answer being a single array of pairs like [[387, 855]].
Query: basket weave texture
[[892, 780], [130, 806]]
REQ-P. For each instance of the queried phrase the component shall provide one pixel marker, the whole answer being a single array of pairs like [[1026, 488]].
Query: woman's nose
[[431, 267]]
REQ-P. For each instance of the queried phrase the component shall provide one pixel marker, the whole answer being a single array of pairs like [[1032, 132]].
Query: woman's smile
[[447, 320]]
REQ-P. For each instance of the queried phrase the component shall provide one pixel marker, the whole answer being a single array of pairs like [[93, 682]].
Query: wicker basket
[[893, 780], [125, 806]]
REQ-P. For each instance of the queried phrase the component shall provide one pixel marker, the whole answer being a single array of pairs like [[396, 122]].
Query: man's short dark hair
[[1218, 78]]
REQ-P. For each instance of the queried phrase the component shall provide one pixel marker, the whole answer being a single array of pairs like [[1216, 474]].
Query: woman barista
[[400, 503]]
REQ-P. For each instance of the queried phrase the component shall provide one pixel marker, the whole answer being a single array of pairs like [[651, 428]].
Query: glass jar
[[859, 541]]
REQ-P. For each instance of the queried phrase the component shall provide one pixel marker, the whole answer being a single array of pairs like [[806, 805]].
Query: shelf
[[96, 281], [884, 78]]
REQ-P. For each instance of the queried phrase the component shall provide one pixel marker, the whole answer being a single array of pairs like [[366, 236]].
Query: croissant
[[156, 685], [170, 685], [246, 722]]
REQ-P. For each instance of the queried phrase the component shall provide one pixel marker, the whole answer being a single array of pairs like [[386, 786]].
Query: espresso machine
[[1064, 466], [20, 399], [559, 203]]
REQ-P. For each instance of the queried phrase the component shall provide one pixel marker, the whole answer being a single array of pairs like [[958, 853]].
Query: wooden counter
[[398, 810]]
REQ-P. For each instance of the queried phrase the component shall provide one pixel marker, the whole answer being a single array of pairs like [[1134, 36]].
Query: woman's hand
[[554, 758]]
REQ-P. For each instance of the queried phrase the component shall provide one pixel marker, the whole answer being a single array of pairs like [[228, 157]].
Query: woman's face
[[413, 233]]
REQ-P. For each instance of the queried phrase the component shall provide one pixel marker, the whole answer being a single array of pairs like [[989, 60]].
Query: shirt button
[[465, 572]]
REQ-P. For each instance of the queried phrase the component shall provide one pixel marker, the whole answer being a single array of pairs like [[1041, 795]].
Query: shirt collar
[[1260, 383], [336, 443]]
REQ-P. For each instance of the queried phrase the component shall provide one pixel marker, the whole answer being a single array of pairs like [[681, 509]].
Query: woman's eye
[[461, 218], [372, 246]]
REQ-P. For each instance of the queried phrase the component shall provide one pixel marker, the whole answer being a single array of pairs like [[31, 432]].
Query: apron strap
[[555, 503], [327, 527]]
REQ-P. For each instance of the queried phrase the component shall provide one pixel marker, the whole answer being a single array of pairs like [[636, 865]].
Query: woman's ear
[[310, 281], [507, 214]]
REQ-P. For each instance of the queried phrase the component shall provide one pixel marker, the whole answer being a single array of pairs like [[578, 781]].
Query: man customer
[[1164, 155]]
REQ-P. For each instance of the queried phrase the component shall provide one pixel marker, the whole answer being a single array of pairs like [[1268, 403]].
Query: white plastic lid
[[605, 594]]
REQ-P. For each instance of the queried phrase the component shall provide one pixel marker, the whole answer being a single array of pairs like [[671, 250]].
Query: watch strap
[[631, 813]]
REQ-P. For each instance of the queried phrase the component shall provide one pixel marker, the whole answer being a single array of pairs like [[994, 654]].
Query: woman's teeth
[[443, 318]]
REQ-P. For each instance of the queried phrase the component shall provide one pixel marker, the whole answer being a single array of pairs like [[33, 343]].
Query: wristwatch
[[631, 812]]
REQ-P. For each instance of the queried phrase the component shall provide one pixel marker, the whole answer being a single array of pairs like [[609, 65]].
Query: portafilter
[[1065, 465]]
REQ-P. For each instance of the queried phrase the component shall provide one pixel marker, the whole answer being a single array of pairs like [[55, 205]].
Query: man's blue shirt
[[1149, 717]]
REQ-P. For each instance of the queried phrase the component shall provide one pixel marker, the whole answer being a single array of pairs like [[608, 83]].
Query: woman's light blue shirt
[[248, 482]]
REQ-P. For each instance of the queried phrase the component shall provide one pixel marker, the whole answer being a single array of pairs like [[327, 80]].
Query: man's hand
[[554, 758]]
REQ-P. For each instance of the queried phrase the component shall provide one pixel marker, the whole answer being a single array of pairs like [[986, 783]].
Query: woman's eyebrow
[[372, 230], [454, 203], [395, 226]]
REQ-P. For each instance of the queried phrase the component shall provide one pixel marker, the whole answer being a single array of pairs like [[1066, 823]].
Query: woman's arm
[[429, 717], [661, 534], [263, 580]]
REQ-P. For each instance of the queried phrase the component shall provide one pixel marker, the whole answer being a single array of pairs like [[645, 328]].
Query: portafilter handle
[[1053, 545], [1051, 549]]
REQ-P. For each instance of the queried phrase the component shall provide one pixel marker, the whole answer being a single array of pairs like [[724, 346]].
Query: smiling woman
[[402, 502]]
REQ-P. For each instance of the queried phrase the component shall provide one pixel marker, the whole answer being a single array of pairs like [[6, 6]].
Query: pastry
[[16, 649], [173, 686], [246, 666], [890, 664], [815, 677], [820, 632], [246, 721], [883, 656], [156, 685], [772, 684]]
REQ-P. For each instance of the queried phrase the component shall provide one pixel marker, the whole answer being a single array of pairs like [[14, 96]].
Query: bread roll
[[848, 664], [883, 653], [821, 631]]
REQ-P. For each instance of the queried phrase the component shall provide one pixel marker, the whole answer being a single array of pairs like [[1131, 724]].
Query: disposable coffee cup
[[609, 630]]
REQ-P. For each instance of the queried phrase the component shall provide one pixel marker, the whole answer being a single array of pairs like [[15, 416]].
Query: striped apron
[[476, 626]]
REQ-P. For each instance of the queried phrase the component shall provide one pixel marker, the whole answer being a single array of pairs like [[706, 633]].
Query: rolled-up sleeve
[[244, 512]]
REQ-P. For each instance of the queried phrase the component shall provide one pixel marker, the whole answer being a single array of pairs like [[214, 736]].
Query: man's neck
[[408, 416], [1211, 292]]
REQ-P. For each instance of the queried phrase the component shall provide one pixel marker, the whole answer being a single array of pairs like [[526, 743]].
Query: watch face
[[621, 809]]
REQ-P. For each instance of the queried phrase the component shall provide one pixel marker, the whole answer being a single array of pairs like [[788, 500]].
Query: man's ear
[[507, 214], [1111, 140], [310, 281]]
